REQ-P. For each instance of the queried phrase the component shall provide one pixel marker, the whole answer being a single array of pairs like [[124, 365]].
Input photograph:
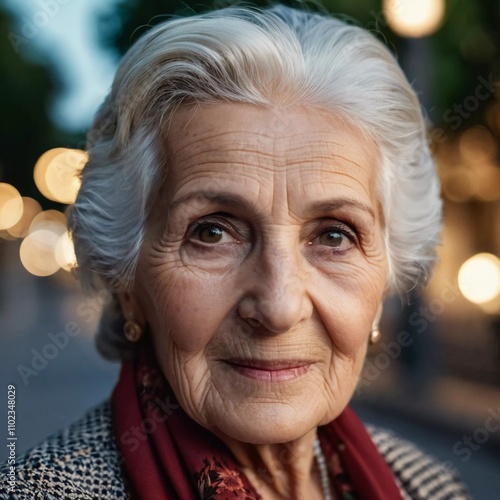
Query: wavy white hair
[[269, 57]]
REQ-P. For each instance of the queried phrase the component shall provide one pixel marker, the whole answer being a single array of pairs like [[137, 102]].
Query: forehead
[[255, 148]]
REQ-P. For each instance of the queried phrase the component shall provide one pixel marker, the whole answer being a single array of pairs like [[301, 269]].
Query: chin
[[267, 423]]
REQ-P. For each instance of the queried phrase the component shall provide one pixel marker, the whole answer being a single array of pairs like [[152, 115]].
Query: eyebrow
[[330, 206], [234, 200]]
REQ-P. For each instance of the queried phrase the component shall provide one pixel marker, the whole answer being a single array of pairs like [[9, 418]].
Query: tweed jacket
[[82, 462]]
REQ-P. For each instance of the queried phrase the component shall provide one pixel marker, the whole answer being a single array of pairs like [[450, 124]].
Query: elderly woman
[[258, 181]]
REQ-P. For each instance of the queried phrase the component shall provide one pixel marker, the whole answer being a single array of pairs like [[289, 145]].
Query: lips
[[270, 370]]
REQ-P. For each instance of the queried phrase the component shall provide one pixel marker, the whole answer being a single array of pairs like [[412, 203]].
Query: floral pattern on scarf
[[217, 480]]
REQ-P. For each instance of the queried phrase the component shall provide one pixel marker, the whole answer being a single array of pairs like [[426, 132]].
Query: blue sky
[[67, 30]]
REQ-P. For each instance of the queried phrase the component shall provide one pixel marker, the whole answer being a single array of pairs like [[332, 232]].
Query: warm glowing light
[[4, 235], [11, 206], [31, 208], [479, 278], [477, 144], [56, 174], [488, 182], [459, 184], [62, 175], [52, 220], [414, 18], [65, 252], [41, 168], [37, 252]]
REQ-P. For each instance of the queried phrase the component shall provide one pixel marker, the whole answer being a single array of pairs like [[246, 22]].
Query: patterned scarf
[[166, 455]]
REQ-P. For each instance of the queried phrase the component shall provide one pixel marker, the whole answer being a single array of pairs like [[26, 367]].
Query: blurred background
[[435, 375]]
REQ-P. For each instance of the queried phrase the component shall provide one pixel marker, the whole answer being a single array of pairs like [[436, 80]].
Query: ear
[[130, 307]]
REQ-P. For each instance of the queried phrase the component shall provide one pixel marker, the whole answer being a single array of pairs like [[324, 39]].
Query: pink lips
[[270, 371]]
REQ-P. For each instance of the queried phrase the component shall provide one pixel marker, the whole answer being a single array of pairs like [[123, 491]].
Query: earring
[[374, 335], [133, 331]]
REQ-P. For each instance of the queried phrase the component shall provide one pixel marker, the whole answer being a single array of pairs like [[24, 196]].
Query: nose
[[275, 297]]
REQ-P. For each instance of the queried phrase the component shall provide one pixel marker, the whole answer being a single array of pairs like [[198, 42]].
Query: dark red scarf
[[166, 455]]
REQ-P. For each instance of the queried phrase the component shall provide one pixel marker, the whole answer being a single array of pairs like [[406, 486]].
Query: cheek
[[347, 305], [184, 308]]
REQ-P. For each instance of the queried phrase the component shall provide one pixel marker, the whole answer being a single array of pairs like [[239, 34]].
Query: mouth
[[270, 371]]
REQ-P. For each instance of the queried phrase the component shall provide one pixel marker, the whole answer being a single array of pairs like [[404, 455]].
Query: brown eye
[[210, 234], [332, 238]]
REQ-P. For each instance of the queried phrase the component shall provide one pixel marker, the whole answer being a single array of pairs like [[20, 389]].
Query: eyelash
[[207, 224], [339, 227], [343, 229]]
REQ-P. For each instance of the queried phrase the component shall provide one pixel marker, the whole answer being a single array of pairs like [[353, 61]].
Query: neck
[[284, 470]]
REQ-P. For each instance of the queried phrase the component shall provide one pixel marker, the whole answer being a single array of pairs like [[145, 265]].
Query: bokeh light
[[31, 208], [5, 235], [41, 168], [477, 144], [56, 173], [65, 252], [52, 220], [414, 18], [488, 182], [11, 206], [459, 183], [479, 278], [37, 252]]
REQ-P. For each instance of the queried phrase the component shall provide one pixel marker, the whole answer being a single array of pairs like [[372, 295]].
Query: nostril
[[249, 311], [254, 323]]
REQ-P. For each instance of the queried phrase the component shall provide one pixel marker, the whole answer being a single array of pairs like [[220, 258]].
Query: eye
[[332, 238], [338, 237], [210, 233]]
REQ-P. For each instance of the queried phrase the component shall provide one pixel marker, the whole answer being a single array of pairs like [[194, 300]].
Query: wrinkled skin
[[289, 265]]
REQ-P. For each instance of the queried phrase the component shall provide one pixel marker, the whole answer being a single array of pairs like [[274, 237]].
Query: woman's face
[[263, 268]]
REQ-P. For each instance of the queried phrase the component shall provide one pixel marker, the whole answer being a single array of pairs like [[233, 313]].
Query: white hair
[[269, 57]]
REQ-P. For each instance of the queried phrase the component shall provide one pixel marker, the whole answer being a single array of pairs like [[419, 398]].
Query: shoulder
[[80, 462], [419, 475]]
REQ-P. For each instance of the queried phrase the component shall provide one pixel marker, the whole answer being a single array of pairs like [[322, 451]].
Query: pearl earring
[[375, 335], [133, 331]]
